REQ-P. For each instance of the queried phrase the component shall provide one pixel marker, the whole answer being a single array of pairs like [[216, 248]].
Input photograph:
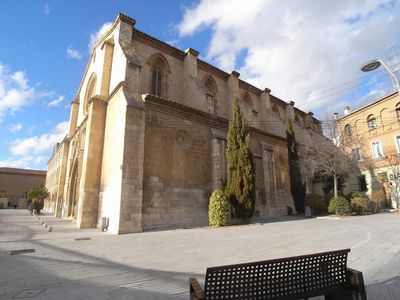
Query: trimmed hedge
[[218, 209], [339, 206]]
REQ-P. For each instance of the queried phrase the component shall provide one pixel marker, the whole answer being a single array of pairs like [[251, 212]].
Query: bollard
[[307, 212]]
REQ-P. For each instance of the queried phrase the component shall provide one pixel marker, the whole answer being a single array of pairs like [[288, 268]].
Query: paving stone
[[89, 264]]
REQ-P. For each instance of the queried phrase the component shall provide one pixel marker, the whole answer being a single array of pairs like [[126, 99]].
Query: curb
[[45, 225]]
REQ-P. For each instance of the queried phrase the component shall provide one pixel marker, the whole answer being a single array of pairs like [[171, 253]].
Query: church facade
[[147, 136]]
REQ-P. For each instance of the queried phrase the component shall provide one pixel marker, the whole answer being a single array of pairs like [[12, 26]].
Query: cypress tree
[[241, 178], [297, 188]]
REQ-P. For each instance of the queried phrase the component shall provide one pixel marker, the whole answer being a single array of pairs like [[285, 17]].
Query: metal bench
[[296, 277]]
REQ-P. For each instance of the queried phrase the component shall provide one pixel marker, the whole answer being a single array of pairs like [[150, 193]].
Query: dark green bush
[[218, 209], [339, 206], [359, 205], [240, 186], [316, 202]]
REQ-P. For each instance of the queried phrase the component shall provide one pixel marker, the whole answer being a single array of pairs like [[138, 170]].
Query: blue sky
[[305, 51]]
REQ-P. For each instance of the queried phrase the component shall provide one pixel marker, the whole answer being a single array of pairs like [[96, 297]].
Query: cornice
[[249, 87], [206, 67], [201, 117], [5, 170], [126, 19], [158, 44], [351, 114]]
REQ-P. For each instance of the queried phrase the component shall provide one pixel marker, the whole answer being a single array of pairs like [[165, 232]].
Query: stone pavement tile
[[382, 291], [144, 294], [156, 264]]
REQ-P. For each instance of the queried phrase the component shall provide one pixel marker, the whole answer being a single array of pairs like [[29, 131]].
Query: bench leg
[[339, 295], [195, 290], [357, 284]]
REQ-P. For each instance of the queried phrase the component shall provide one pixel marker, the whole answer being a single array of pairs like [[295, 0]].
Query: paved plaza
[[68, 263]]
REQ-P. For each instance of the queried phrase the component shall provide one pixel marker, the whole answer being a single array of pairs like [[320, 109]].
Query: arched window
[[398, 110], [90, 91], [157, 78], [247, 100], [347, 130], [371, 120], [297, 119], [211, 92], [159, 70], [275, 109]]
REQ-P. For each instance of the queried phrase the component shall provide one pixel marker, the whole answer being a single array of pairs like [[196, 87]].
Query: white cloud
[[296, 48], [14, 128], [24, 162], [39, 144], [95, 36], [72, 53], [20, 80], [46, 9], [56, 101], [21, 162], [15, 91], [38, 160]]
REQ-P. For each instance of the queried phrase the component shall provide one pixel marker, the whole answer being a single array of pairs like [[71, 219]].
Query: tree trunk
[[335, 187]]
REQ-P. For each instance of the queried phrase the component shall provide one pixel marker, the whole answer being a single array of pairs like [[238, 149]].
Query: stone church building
[[147, 137]]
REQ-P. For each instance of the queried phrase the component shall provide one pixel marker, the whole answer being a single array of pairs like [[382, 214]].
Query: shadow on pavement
[[385, 290], [77, 275]]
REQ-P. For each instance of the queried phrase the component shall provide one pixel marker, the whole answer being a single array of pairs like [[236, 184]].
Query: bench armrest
[[196, 291], [356, 280]]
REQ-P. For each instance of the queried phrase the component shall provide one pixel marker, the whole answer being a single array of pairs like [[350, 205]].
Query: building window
[[210, 94], [275, 109], [297, 120], [371, 122], [398, 110], [377, 150], [347, 130], [247, 100], [157, 78], [356, 153], [398, 144], [90, 91]]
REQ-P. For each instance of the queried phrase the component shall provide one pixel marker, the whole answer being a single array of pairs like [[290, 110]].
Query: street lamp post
[[376, 63]]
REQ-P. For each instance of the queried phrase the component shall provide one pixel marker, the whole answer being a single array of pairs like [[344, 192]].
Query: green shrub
[[339, 206], [218, 209], [316, 202], [359, 205], [332, 206]]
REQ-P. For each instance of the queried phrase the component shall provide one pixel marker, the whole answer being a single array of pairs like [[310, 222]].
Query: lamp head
[[370, 65]]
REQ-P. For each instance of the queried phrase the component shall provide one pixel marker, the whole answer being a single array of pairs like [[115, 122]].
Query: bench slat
[[291, 277]]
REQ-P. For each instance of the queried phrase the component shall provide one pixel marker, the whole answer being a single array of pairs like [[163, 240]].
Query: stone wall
[[15, 183], [177, 171], [112, 161]]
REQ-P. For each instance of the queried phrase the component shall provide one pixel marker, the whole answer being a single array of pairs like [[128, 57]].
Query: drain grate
[[22, 251], [28, 294], [83, 239]]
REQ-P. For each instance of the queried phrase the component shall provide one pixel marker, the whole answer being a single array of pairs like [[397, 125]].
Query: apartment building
[[372, 135]]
